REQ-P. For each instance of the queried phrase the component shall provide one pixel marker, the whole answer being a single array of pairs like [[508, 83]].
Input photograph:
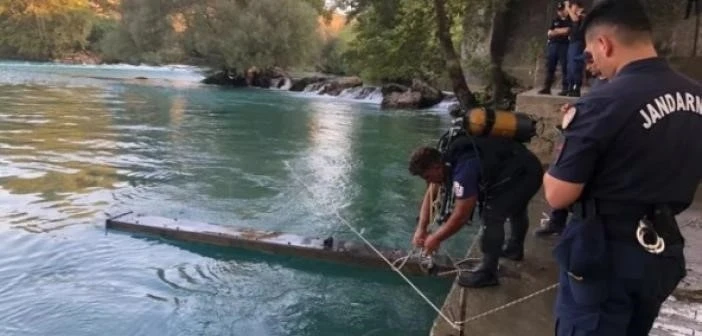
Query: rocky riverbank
[[417, 95]]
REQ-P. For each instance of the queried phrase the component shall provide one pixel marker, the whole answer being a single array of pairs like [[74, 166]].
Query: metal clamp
[[658, 247]]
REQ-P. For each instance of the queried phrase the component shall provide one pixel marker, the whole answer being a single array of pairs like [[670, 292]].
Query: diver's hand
[[431, 244], [419, 237]]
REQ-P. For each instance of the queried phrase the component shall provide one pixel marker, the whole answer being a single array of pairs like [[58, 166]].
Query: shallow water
[[77, 142]]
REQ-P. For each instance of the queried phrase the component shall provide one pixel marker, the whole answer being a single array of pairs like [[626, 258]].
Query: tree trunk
[[497, 51], [453, 63]]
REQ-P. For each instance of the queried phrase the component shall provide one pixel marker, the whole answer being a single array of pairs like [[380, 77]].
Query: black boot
[[564, 92], [485, 275], [574, 92], [519, 225], [513, 251], [545, 91]]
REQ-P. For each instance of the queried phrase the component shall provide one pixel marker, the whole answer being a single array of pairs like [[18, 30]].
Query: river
[[80, 142]]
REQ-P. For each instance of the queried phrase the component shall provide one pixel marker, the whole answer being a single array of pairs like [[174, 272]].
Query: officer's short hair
[[579, 3], [628, 16], [422, 159]]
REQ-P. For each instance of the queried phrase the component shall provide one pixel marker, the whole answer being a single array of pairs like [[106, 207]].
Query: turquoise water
[[77, 142]]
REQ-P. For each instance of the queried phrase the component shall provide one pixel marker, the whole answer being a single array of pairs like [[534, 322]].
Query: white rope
[[505, 306], [454, 324], [409, 282], [380, 254]]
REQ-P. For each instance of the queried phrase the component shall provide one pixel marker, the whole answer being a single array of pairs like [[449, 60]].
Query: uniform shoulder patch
[[568, 117], [457, 189]]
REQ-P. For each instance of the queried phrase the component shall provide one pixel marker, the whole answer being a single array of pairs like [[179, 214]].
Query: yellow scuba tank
[[487, 122]]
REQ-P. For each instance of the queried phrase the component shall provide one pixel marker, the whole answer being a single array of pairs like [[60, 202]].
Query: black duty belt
[[611, 209], [625, 221]]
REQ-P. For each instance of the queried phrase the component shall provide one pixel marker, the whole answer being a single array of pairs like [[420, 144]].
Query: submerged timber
[[325, 249]]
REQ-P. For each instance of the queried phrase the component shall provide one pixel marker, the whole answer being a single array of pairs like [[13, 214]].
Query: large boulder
[[419, 95], [227, 77], [430, 96], [334, 86], [407, 99], [300, 84], [387, 89], [267, 78]]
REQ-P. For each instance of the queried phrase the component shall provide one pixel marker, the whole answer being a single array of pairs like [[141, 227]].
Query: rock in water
[[299, 85], [335, 86], [407, 99], [267, 78], [225, 78], [430, 96], [419, 95], [387, 89]]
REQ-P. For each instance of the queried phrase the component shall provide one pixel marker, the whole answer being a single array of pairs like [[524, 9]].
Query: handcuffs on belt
[[645, 228]]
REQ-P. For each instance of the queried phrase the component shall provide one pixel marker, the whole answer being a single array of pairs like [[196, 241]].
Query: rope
[[459, 325], [505, 306], [454, 324], [409, 282], [380, 254]]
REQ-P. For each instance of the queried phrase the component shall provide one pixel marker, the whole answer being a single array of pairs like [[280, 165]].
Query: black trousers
[[557, 54], [510, 200]]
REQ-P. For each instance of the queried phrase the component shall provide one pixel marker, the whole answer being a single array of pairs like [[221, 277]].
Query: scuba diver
[[499, 175]]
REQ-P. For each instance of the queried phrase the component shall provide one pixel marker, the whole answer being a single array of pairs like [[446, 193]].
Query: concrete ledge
[[532, 317], [545, 110]]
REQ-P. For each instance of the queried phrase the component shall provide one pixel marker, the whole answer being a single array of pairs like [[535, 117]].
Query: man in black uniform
[[501, 174], [576, 45], [557, 50], [627, 167]]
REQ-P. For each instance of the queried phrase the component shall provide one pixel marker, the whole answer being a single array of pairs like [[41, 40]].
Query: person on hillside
[[557, 50], [576, 46], [500, 174]]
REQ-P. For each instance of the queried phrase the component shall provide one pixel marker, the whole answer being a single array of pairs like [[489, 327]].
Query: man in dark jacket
[[557, 49], [502, 175]]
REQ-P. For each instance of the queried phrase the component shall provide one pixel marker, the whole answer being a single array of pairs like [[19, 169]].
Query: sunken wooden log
[[329, 249]]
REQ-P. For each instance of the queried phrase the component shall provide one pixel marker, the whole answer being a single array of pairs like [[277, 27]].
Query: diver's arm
[[460, 215]]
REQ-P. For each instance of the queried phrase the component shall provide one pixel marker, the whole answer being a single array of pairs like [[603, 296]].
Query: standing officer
[[576, 45], [501, 174], [627, 167], [558, 50]]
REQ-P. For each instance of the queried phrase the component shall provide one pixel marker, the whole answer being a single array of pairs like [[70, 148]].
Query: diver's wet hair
[[422, 159]]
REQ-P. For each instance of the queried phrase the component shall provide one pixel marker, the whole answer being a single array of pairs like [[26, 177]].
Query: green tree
[[395, 42], [262, 33], [46, 29]]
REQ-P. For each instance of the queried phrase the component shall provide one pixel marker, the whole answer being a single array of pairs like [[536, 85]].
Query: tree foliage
[[43, 29], [264, 33], [219, 33], [396, 40]]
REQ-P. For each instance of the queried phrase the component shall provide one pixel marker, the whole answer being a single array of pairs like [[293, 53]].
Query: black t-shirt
[[560, 23], [638, 143], [576, 32]]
